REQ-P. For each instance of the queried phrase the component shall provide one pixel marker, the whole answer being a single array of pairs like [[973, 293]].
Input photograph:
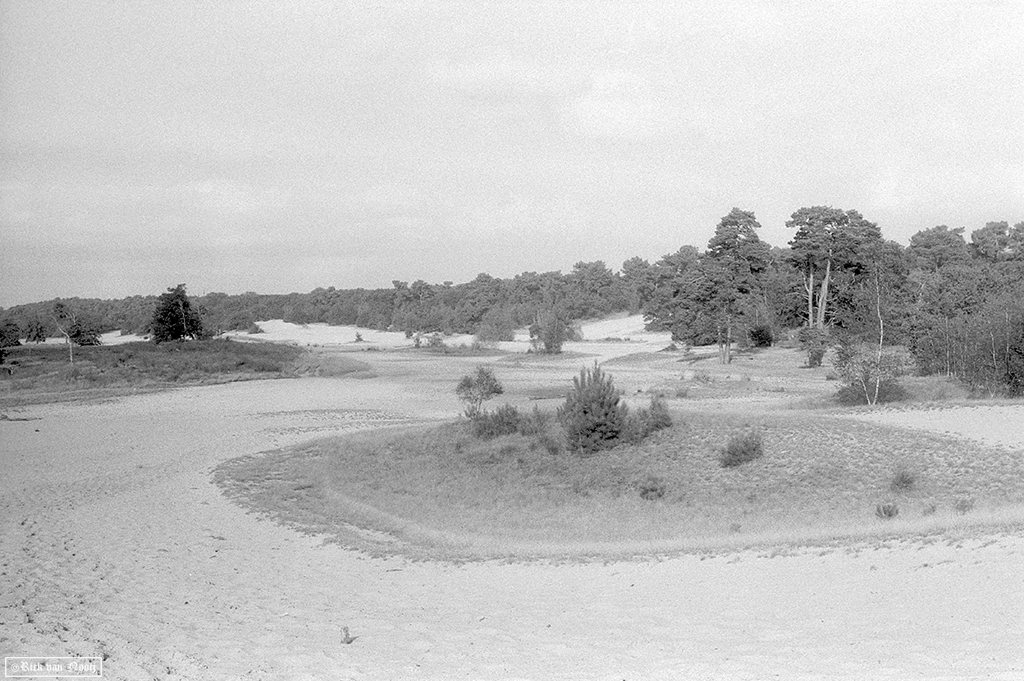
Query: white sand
[[114, 540], [602, 339]]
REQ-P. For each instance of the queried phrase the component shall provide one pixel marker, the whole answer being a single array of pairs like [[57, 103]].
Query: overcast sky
[[279, 147]]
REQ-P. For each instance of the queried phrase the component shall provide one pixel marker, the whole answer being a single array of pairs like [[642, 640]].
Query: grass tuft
[[887, 511], [902, 481], [652, 488], [742, 448]]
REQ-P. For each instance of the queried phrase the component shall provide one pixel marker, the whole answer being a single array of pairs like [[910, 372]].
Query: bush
[[902, 481], [871, 375], [592, 415], [648, 420], [652, 488], [505, 420], [477, 388], [761, 336], [888, 391], [887, 511], [534, 424], [741, 448], [815, 343]]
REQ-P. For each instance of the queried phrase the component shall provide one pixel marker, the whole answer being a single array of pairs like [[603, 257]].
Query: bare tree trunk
[[823, 295], [67, 338], [809, 287], [728, 343], [184, 320], [949, 365], [881, 336]]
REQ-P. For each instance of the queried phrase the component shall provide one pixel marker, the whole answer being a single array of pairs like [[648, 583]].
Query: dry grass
[[44, 372]]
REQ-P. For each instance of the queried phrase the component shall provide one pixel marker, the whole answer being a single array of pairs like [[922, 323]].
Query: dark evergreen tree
[[593, 416], [175, 317]]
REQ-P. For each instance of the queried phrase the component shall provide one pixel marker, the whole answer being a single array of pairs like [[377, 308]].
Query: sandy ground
[[602, 339], [115, 542]]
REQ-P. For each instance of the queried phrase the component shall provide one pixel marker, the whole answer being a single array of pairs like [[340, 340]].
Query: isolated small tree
[[593, 416], [871, 375], [73, 328], [175, 317], [476, 388], [548, 333]]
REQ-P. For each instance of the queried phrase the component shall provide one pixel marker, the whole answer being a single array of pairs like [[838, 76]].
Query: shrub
[[505, 420], [648, 420], [887, 511], [761, 336], [592, 415], [814, 342], [477, 388], [870, 375], [652, 488], [741, 448], [534, 424], [902, 481], [888, 391]]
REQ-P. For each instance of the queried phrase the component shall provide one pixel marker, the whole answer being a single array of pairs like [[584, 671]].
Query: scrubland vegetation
[[594, 476], [449, 490], [45, 369]]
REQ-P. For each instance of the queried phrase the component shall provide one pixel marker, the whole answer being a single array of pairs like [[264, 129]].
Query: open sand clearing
[[115, 542]]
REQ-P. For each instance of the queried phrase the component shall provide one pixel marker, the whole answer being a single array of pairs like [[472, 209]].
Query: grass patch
[[142, 364], [441, 491]]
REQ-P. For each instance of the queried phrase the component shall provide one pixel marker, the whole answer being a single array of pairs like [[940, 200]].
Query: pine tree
[[592, 415], [175, 318]]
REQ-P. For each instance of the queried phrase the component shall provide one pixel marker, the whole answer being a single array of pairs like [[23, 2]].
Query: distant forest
[[946, 297]]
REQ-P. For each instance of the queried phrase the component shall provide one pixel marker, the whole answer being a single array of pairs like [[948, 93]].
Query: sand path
[[114, 541]]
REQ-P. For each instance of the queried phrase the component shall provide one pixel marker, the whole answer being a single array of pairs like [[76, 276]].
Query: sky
[[284, 146]]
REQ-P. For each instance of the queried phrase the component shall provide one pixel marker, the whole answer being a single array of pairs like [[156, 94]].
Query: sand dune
[[114, 542]]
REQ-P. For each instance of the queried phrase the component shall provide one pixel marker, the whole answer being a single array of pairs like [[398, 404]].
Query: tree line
[[956, 303]]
